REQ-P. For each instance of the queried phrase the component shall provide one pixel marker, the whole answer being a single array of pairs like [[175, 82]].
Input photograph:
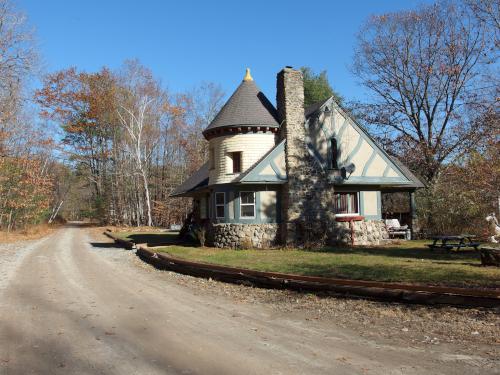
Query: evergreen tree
[[317, 87]]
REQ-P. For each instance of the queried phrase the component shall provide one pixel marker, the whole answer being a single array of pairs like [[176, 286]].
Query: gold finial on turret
[[248, 77]]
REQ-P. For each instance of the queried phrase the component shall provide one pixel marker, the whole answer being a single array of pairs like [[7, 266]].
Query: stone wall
[[371, 232], [262, 236], [236, 236]]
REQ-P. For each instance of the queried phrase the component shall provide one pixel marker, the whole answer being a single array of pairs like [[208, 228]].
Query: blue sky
[[187, 42]]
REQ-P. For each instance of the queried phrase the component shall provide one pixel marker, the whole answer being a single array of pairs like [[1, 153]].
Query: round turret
[[241, 133]]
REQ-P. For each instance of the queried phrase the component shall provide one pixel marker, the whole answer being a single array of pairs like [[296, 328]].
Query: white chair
[[394, 228]]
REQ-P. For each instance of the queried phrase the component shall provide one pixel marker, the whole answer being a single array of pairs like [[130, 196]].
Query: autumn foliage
[[130, 142], [25, 191], [25, 150]]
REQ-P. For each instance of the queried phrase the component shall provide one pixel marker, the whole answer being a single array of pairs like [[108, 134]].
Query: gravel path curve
[[12, 255], [77, 305]]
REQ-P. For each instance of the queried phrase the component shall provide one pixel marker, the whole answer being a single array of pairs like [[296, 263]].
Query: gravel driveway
[[11, 255], [74, 304]]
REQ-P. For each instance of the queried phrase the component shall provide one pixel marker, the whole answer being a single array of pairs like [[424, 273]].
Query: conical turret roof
[[248, 106]]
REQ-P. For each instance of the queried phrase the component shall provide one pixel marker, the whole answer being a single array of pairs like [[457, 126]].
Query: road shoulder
[[12, 255]]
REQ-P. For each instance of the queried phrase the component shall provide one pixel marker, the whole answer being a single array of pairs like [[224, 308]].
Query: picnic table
[[450, 242]]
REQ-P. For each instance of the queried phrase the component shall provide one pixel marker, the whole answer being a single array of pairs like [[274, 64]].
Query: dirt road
[[72, 306]]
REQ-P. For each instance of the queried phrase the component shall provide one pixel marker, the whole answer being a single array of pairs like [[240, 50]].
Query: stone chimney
[[290, 103]]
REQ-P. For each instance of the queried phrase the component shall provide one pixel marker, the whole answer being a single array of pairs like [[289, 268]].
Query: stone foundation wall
[[262, 236], [236, 236], [371, 232]]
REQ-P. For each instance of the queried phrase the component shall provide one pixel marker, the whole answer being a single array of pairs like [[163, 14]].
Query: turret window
[[236, 160]]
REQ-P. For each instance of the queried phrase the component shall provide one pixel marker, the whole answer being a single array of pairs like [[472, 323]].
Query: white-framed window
[[346, 204], [203, 208], [247, 204], [220, 204]]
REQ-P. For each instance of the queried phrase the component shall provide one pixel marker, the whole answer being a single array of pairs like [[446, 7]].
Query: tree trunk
[[148, 200], [55, 212]]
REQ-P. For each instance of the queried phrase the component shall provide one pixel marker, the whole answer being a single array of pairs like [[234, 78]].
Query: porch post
[[413, 213]]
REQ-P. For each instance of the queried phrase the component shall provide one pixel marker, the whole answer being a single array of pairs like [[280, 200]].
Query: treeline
[[26, 181], [464, 193], [107, 146], [130, 142]]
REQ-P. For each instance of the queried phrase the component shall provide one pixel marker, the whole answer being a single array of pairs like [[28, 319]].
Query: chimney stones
[[306, 197]]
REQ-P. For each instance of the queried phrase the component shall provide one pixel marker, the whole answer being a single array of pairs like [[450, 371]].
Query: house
[[290, 175]]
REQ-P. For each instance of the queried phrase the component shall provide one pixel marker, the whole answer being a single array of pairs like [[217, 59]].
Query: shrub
[[246, 244], [201, 235]]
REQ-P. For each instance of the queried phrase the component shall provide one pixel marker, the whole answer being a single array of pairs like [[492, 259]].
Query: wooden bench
[[394, 228]]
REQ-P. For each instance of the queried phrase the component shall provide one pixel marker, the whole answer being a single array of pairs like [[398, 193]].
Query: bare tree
[[134, 123], [488, 11], [141, 107], [18, 57], [423, 69], [200, 106], [17, 50]]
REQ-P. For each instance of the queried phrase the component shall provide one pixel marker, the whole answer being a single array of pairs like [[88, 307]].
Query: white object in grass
[[493, 228]]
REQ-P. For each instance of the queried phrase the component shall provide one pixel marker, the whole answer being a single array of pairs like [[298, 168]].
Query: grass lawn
[[409, 261]]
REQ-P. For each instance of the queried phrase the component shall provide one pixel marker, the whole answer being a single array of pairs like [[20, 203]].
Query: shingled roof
[[197, 180], [416, 181], [248, 106]]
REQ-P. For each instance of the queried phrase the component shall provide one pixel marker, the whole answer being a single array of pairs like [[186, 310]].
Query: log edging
[[129, 245], [386, 291]]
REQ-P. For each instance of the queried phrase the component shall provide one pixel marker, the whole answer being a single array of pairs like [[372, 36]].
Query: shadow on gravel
[[80, 224], [103, 245], [159, 239], [43, 351]]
